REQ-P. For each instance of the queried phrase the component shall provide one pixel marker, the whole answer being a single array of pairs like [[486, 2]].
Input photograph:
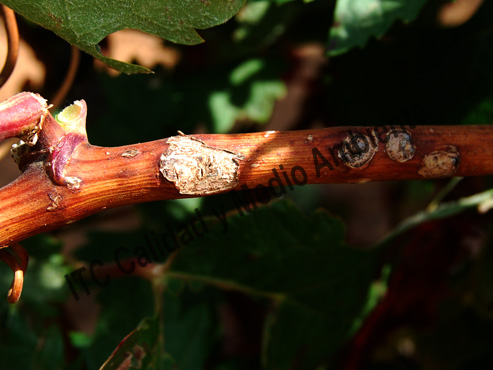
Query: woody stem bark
[[46, 196]]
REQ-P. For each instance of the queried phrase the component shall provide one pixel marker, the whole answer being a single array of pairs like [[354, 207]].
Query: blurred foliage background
[[320, 279]]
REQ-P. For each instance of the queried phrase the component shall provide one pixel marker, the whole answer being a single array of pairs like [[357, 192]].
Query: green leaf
[[356, 21], [190, 329], [318, 287], [84, 23], [254, 86], [260, 24]]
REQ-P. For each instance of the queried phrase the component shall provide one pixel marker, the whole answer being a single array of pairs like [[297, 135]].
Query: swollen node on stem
[[21, 115]]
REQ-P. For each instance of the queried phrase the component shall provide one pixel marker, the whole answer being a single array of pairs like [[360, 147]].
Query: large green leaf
[[356, 21], [317, 286], [85, 23]]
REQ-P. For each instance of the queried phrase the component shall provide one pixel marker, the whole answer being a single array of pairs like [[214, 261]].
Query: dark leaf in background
[[317, 285]]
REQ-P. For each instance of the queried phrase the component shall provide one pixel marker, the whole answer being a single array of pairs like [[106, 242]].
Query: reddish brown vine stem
[[65, 178]]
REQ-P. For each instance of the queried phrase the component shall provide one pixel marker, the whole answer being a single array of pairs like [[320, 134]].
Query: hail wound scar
[[72, 182], [357, 151], [440, 163], [198, 169], [130, 153], [399, 146], [55, 200]]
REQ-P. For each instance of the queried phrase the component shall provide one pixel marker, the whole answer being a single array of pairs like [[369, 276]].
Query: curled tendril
[[13, 43], [17, 259]]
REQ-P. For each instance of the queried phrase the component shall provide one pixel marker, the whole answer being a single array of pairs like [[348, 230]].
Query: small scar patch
[[130, 153], [441, 163], [55, 202], [357, 151], [399, 146], [198, 169]]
